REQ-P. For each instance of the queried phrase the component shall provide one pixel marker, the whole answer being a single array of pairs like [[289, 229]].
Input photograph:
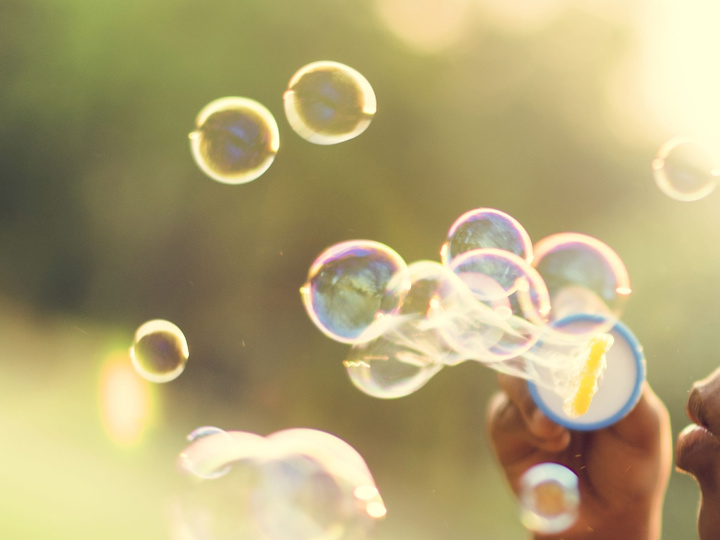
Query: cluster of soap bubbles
[[685, 170], [495, 298], [549, 498], [236, 138], [296, 484]]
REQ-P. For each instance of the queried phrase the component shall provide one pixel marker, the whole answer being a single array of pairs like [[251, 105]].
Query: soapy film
[[437, 321]]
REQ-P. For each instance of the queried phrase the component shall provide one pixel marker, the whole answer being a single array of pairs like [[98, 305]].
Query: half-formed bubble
[[584, 276], [486, 228], [401, 360], [235, 141], [684, 170], [159, 351], [329, 102], [298, 484], [346, 285]]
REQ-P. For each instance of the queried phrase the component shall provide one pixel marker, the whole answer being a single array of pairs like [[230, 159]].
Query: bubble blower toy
[[547, 313]]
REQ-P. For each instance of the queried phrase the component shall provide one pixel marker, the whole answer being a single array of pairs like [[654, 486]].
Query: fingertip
[[541, 426]]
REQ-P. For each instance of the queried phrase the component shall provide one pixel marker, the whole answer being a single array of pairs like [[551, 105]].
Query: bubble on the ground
[[329, 102], [584, 277], [346, 285], [159, 351], [684, 170], [235, 141], [549, 498], [486, 228]]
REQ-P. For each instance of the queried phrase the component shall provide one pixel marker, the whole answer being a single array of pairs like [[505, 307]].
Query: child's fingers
[[537, 422], [511, 417]]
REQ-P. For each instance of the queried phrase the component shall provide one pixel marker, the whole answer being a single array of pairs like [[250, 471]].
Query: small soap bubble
[[159, 352], [328, 103], [236, 140], [486, 228], [684, 170], [584, 276], [346, 285], [397, 363], [549, 498]]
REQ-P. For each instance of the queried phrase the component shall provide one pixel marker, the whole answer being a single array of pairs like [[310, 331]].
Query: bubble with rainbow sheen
[[549, 498], [584, 276], [159, 351], [513, 291], [684, 170], [328, 103], [301, 484], [345, 287], [235, 141], [486, 228]]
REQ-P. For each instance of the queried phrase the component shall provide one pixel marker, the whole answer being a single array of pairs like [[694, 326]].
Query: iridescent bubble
[[514, 292], [346, 285], [486, 228], [236, 140], [198, 433], [328, 103], [549, 498], [159, 352], [297, 484], [583, 276], [684, 170], [397, 363]]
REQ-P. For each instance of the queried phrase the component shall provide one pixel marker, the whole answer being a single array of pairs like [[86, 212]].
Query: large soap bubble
[[296, 484], [346, 285]]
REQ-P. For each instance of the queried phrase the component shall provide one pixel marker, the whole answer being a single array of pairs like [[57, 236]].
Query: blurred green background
[[550, 110]]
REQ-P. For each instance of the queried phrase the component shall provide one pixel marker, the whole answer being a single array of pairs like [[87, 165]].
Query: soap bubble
[[486, 228], [549, 498], [515, 294], [398, 362], [346, 285], [684, 170], [328, 103], [296, 484], [236, 140], [583, 276], [159, 352], [198, 433]]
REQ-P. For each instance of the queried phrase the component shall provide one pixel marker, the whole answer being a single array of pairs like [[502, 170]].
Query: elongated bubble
[[235, 141], [486, 228], [297, 484], [346, 285], [329, 102]]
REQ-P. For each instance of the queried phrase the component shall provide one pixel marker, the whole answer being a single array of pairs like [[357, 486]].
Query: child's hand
[[623, 469], [698, 451]]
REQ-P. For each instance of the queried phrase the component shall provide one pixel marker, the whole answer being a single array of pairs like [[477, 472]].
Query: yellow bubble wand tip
[[579, 400]]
